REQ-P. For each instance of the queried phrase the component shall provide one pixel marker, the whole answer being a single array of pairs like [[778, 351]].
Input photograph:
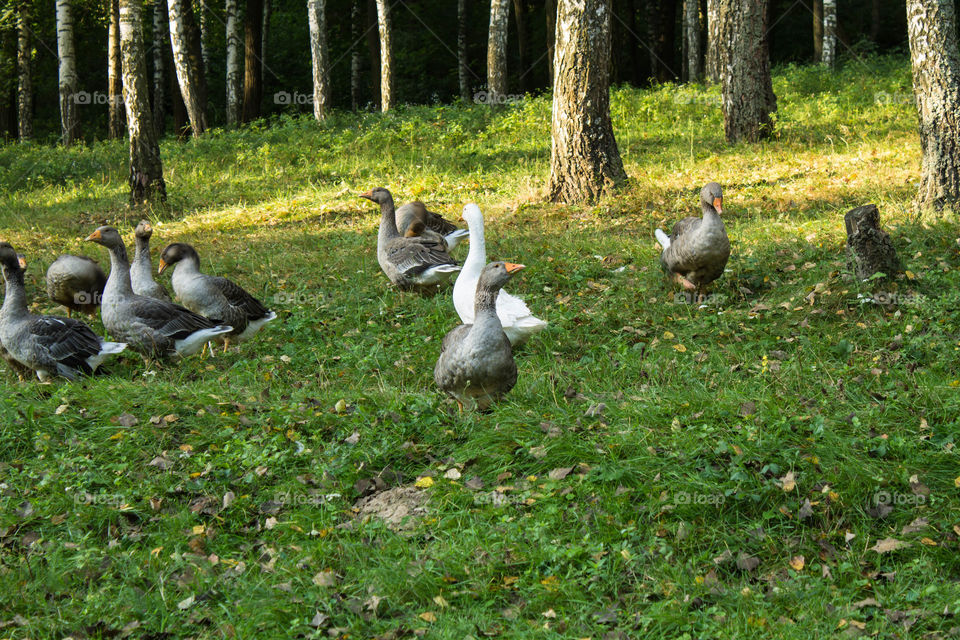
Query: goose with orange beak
[[155, 328], [696, 253], [476, 365]]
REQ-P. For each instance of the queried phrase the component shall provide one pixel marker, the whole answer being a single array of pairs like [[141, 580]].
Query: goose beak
[[513, 268], [367, 194], [718, 204], [22, 262], [93, 237], [163, 266]]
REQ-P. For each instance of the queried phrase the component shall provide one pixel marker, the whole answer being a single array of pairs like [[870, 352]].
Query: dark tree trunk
[[712, 63], [264, 40], [746, 86], [463, 66], [161, 43], [662, 23], [253, 35], [691, 38], [584, 159], [932, 27], [875, 21], [870, 248], [115, 110], [146, 170], [817, 30], [355, 54], [24, 73], [178, 110], [520, 18], [373, 47], [550, 10], [8, 57]]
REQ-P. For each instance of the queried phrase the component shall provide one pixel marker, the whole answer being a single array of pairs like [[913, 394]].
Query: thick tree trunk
[[188, 63], [355, 54], [317, 10], [497, 49], [204, 39], [115, 110], [24, 76], [234, 75], [146, 170], [463, 67], [932, 27], [691, 31], [584, 160], [520, 18], [8, 57], [746, 87], [66, 52], [264, 37], [160, 40], [385, 28], [252, 87], [829, 48], [875, 21], [550, 11], [712, 65], [817, 30], [870, 249]]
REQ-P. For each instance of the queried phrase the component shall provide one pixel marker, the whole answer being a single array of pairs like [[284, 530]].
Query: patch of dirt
[[400, 508]]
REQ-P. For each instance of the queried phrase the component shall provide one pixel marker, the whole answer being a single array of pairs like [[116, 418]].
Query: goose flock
[[476, 365]]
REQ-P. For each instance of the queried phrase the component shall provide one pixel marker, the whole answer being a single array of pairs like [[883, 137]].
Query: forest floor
[[780, 462]]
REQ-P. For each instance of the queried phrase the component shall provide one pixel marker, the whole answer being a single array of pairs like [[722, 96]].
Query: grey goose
[[76, 282], [696, 253], [141, 269]]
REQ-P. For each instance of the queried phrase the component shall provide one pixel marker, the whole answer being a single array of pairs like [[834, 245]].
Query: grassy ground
[[727, 471]]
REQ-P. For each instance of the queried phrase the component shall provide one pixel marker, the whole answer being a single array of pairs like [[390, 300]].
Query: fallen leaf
[[354, 438], [326, 578], [747, 563], [125, 420], [423, 483], [186, 603], [788, 482], [559, 473], [428, 616], [748, 409], [888, 544], [549, 613], [917, 525], [452, 474], [798, 563]]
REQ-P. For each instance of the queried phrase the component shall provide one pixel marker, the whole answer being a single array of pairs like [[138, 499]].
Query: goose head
[[712, 196], [106, 236], [496, 274], [174, 253], [415, 229], [21, 259], [378, 195], [144, 230], [11, 261], [472, 215]]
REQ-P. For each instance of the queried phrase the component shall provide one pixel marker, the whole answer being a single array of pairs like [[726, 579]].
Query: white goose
[[518, 323]]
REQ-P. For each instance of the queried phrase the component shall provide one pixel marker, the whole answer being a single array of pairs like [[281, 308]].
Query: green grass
[[706, 413]]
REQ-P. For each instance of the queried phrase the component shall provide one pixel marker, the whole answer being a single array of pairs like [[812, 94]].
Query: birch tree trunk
[[691, 30], [252, 86], [497, 49], [584, 159], [115, 118], [932, 27], [234, 41], [146, 170], [24, 77], [159, 65], [463, 67], [355, 54], [386, 54], [317, 10], [204, 41], [829, 48], [189, 73], [746, 87], [66, 53], [712, 66], [551, 15]]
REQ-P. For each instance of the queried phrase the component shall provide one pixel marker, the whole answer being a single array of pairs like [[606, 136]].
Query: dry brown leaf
[[888, 544]]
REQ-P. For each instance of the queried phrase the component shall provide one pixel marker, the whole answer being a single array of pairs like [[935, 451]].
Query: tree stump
[[870, 248]]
